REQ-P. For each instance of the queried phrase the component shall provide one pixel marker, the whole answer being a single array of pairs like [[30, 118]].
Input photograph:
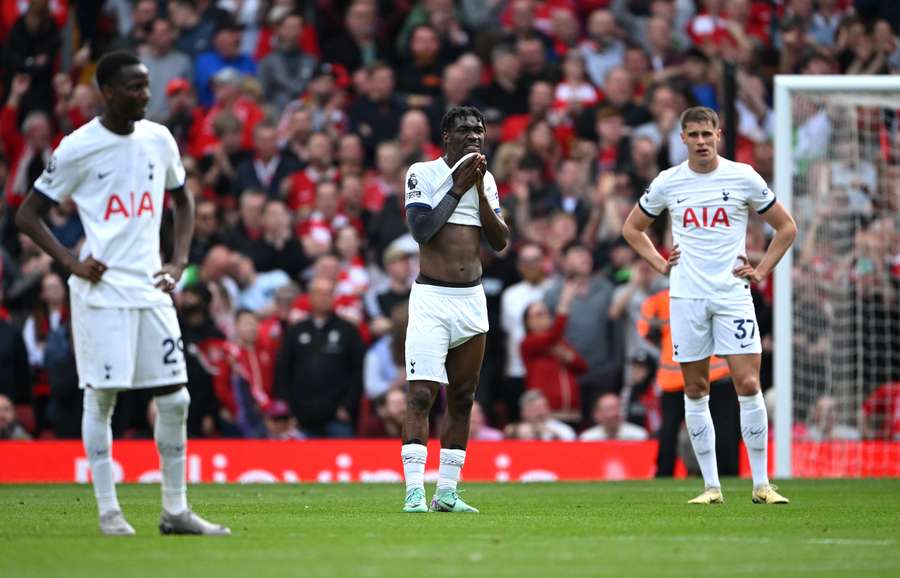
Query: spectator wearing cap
[[195, 29], [164, 63], [225, 53], [358, 46], [376, 115], [506, 92], [267, 167], [611, 424], [286, 71], [280, 424], [184, 117], [382, 298]]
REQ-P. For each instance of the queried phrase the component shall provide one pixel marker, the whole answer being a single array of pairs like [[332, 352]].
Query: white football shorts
[[705, 327], [441, 318], [118, 348]]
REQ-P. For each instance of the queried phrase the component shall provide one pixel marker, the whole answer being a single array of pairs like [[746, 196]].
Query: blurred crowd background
[[297, 121]]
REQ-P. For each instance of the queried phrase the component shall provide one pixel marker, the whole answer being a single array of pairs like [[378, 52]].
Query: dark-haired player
[[450, 203], [117, 168], [709, 198]]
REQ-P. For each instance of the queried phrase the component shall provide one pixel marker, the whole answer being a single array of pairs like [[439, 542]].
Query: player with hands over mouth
[[450, 202]]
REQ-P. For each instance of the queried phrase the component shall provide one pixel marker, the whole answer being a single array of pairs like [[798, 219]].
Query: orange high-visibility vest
[[655, 313]]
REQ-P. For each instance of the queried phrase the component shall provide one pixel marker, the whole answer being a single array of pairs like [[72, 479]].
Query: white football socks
[[170, 433], [755, 431], [703, 437], [451, 463], [414, 457], [96, 433]]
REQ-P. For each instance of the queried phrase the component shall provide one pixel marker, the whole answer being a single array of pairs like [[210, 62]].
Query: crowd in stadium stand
[[297, 121]]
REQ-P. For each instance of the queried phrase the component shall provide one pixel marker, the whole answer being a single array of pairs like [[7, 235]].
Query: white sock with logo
[[703, 437], [414, 457], [451, 463], [96, 433], [755, 431], [170, 433]]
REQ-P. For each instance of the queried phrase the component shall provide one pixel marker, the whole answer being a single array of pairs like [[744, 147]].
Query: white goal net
[[837, 304]]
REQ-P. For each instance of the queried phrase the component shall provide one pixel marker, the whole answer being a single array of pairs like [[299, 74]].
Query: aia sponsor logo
[[129, 207], [705, 217]]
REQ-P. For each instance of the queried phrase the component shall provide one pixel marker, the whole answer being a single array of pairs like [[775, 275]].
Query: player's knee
[[747, 385], [99, 402], [174, 404], [419, 400], [459, 402], [696, 389]]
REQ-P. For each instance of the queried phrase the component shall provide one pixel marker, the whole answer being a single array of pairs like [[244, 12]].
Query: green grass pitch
[[634, 529]]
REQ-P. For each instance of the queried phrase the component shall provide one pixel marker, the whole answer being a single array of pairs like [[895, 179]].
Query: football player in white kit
[[450, 202], [709, 198], [117, 169]]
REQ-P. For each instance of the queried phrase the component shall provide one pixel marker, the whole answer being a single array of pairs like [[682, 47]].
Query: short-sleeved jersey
[[709, 214], [118, 183], [428, 182]]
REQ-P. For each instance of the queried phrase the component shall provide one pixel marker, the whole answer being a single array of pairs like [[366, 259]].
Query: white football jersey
[[118, 183], [427, 183], [709, 214]]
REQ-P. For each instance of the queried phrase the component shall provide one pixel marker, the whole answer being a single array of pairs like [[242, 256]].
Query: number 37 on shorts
[[705, 327]]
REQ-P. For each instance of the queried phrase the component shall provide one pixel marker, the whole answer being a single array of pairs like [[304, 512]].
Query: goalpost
[[836, 325]]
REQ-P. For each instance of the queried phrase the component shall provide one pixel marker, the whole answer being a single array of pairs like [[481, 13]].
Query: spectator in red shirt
[[317, 232], [301, 186], [881, 413], [229, 96], [551, 364], [389, 416], [28, 151], [387, 179], [245, 393]]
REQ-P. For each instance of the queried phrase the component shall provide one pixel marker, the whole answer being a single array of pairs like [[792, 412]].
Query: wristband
[[455, 196]]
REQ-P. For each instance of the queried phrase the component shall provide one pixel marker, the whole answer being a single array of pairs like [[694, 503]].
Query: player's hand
[[89, 269], [674, 256], [480, 169], [465, 175], [167, 278], [748, 271]]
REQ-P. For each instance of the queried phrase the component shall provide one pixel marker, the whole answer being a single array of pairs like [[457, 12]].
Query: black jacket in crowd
[[320, 370]]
